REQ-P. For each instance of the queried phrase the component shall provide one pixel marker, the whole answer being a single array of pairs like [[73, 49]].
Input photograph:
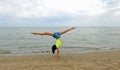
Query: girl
[[57, 36]]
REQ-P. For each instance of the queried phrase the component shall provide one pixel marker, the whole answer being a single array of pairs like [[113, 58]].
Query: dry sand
[[84, 61]]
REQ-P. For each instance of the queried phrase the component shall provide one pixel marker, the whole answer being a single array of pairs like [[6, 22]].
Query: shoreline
[[106, 60], [80, 50]]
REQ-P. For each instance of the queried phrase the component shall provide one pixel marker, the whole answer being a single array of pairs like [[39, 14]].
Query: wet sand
[[109, 60]]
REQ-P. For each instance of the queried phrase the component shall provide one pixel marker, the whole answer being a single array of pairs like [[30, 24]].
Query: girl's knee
[[48, 33]]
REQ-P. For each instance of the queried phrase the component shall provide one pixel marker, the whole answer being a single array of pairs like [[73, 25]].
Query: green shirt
[[58, 43]]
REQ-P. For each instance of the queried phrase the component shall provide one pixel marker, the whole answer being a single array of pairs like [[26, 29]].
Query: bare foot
[[73, 27], [34, 33]]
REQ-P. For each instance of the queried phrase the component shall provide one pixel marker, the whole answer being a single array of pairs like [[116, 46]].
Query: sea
[[20, 41]]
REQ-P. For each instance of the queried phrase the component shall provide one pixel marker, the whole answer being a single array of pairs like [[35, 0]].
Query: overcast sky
[[59, 13]]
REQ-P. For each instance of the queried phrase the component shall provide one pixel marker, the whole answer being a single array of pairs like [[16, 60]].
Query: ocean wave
[[4, 51]]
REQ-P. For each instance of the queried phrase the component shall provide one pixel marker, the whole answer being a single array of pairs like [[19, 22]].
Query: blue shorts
[[56, 35]]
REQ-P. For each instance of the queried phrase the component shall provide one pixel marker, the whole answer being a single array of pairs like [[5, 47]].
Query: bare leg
[[44, 33], [69, 29]]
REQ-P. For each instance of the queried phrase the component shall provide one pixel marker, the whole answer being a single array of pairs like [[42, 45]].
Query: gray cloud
[[112, 5], [17, 12]]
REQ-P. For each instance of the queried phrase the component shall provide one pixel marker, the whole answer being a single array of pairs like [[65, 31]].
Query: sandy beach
[[109, 60]]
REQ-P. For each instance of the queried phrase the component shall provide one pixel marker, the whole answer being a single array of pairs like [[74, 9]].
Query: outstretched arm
[[67, 30], [44, 33]]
